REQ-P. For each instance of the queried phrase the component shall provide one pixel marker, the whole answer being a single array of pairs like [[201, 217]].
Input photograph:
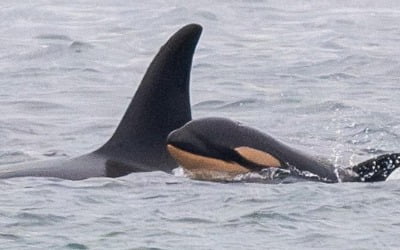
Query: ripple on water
[[223, 105], [76, 246], [79, 46], [54, 37], [312, 68]]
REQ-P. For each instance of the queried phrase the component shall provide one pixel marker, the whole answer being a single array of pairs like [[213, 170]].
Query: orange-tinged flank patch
[[194, 163], [258, 157]]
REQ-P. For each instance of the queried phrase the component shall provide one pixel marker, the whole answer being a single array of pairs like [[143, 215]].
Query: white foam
[[179, 172]]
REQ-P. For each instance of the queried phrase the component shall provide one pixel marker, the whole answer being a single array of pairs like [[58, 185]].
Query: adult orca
[[210, 146], [160, 105]]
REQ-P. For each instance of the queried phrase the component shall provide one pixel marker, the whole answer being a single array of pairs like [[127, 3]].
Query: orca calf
[[160, 105], [210, 146]]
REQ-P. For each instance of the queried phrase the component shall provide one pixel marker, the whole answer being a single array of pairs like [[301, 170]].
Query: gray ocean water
[[322, 76]]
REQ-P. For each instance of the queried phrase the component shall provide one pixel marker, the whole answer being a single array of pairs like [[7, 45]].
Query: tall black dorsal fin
[[161, 103]]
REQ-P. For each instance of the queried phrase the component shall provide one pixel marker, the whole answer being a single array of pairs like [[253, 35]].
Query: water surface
[[320, 76]]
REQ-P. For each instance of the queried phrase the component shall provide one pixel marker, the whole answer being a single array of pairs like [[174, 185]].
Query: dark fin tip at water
[[377, 169]]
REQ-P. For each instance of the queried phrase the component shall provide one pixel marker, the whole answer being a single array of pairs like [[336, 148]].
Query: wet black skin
[[160, 105], [218, 137]]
